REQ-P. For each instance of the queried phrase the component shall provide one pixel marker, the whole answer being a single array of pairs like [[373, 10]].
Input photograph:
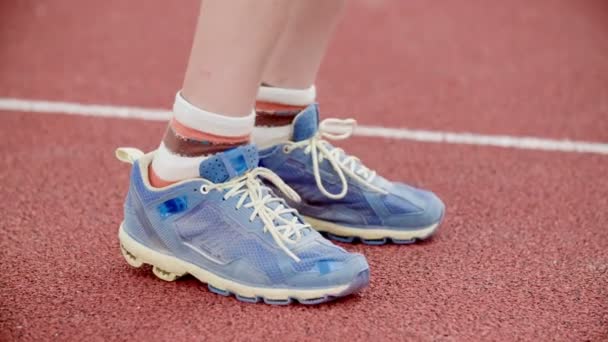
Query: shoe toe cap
[[429, 208], [331, 271]]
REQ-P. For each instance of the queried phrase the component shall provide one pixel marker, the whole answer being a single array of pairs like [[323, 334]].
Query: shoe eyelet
[[204, 189], [286, 149]]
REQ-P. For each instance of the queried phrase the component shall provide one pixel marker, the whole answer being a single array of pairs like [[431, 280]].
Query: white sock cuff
[[287, 96], [212, 123], [265, 137], [172, 167]]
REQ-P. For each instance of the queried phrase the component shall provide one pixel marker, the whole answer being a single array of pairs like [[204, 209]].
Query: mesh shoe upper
[[374, 202], [217, 232]]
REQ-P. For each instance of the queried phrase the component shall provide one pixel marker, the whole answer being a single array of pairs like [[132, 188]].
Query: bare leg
[[297, 56], [289, 75], [232, 43], [213, 112]]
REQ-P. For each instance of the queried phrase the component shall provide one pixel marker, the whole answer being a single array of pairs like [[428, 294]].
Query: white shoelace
[[284, 231], [335, 129]]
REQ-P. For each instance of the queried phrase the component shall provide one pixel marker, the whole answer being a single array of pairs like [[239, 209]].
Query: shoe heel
[[161, 273], [136, 254], [166, 275], [130, 258]]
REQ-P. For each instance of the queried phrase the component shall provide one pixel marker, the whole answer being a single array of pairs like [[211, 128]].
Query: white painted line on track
[[84, 109], [505, 141]]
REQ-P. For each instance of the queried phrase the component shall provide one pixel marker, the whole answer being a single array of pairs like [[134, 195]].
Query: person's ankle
[[192, 135], [276, 108]]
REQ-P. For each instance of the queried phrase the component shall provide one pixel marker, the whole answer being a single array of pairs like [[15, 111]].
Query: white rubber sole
[[371, 234], [170, 268]]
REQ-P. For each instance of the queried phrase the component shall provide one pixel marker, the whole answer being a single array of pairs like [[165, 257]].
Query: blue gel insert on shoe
[[172, 206]]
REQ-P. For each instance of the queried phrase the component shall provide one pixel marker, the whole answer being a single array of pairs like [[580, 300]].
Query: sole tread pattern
[[371, 242], [373, 236], [362, 279]]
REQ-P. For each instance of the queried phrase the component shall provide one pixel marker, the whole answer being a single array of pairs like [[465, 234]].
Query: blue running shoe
[[342, 197], [232, 232]]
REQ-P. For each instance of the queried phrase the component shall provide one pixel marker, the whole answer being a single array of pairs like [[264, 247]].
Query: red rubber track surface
[[523, 253]]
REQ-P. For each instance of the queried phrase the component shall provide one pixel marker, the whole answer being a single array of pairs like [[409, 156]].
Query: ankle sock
[[192, 135], [275, 110]]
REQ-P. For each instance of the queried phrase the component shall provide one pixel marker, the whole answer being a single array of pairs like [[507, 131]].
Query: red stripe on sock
[[192, 133], [276, 107]]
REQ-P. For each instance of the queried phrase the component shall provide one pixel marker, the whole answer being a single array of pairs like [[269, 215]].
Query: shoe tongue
[[306, 124], [222, 167]]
